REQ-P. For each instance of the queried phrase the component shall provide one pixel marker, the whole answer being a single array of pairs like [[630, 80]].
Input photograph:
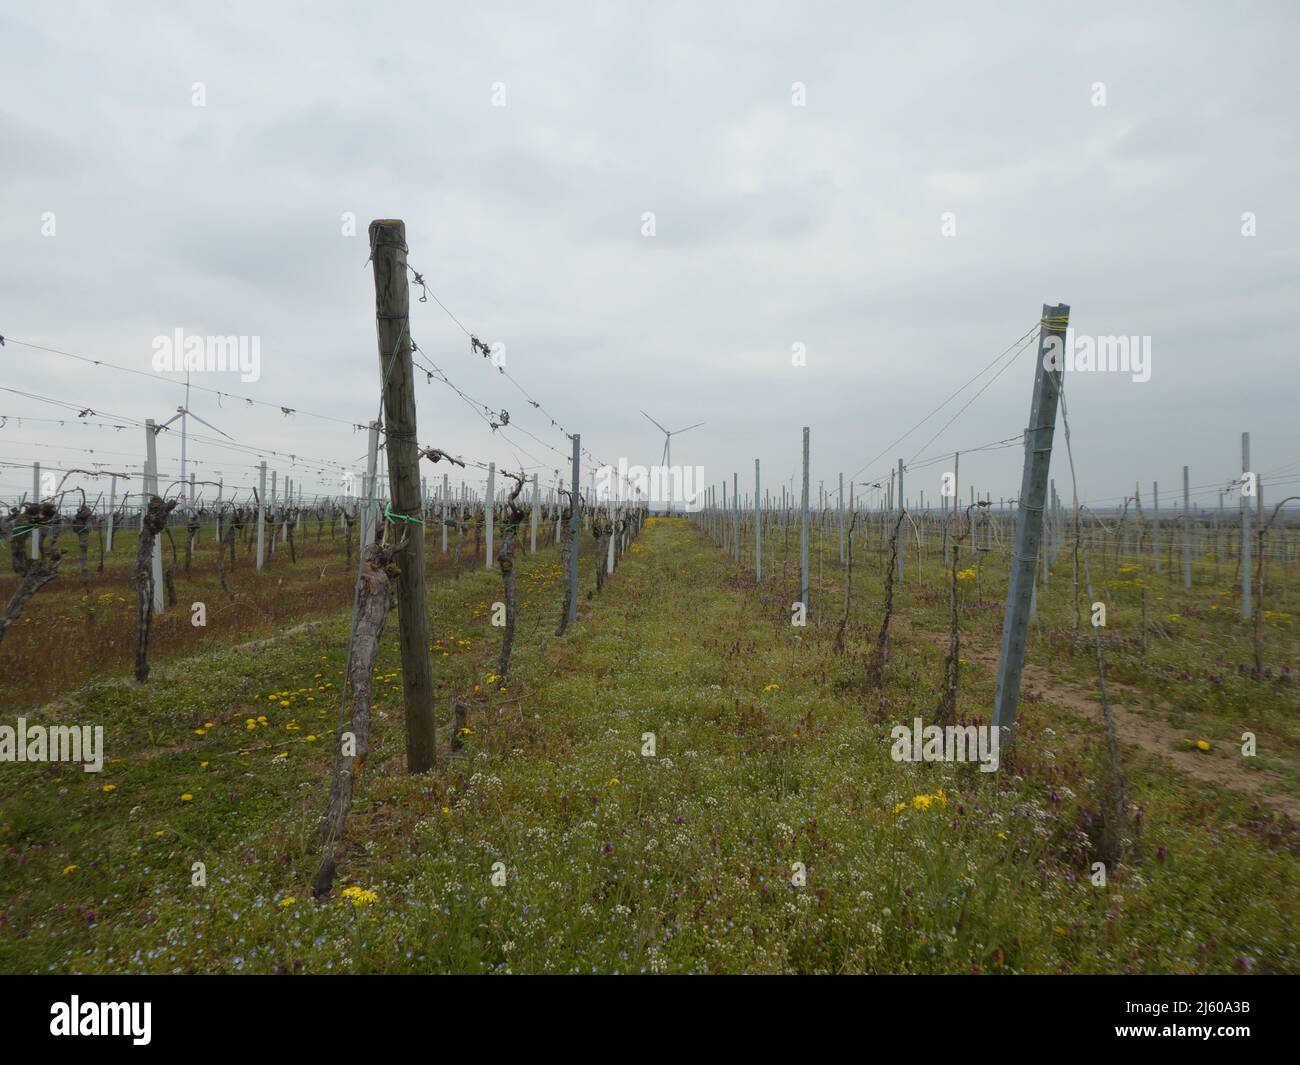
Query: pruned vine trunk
[[876, 670], [35, 572], [374, 600], [155, 520], [566, 560], [848, 586], [506, 562]]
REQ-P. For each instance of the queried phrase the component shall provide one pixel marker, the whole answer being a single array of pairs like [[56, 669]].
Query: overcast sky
[[782, 216]]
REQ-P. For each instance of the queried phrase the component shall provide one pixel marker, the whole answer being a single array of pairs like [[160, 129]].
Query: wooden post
[[392, 304]]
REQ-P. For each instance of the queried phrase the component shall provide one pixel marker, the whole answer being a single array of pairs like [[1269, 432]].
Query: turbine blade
[[209, 425], [661, 428]]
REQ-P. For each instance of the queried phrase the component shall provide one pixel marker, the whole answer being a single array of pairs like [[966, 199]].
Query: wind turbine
[[184, 413], [667, 460]]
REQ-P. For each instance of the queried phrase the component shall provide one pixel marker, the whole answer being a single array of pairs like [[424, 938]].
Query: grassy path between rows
[[769, 830]]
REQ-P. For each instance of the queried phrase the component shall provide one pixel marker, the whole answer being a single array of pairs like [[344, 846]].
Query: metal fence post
[[803, 530], [575, 527], [1029, 523]]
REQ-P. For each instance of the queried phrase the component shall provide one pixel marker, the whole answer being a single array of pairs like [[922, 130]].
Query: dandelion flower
[[109, 787], [69, 869], [1202, 745], [187, 797], [359, 896]]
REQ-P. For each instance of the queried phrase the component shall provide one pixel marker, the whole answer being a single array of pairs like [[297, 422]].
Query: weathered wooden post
[[392, 295]]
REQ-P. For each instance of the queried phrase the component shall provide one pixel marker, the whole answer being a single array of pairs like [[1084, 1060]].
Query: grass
[[552, 843]]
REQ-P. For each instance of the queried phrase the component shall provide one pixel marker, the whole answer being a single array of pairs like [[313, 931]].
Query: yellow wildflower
[[359, 896]]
